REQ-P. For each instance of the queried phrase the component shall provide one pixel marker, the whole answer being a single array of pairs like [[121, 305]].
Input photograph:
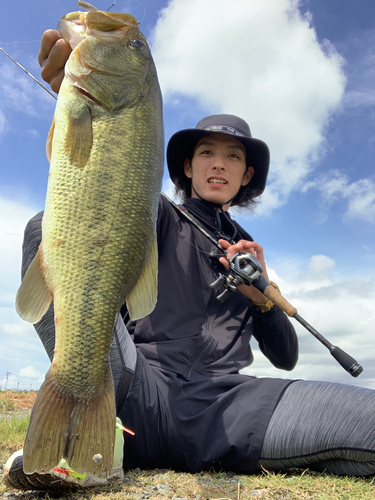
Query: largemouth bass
[[99, 242]]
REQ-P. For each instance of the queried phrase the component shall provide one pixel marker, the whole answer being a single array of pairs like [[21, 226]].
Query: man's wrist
[[267, 306]]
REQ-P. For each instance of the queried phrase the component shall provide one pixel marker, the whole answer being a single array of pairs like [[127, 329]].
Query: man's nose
[[219, 162]]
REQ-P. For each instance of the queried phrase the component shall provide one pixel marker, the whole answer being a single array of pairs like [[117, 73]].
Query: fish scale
[[98, 236]]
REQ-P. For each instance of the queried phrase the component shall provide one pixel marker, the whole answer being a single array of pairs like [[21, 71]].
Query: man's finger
[[53, 66], [55, 83], [224, 243], [225, 262], [56, 60], [49, 38]]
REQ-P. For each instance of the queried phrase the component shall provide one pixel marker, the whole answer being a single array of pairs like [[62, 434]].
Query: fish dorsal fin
[[50, 139], [78, 139], [33, 297], [142, 299]]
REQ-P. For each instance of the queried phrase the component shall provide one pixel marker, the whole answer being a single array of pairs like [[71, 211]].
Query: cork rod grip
[[271, 293]]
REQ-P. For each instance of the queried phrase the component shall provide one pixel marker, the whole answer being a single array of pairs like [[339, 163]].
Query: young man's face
[[218, 168]]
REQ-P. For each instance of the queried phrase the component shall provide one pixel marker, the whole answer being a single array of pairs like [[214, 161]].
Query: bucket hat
[[181, 146]]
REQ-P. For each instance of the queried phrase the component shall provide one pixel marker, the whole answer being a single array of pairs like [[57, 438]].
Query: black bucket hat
[[181, 146]]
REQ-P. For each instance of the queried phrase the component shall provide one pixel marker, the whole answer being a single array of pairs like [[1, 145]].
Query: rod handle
[[272, 294]]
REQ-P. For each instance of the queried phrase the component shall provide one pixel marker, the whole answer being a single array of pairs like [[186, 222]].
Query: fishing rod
[[244, 268], [27, 72]]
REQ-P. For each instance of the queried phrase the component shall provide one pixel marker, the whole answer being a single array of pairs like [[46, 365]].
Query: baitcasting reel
[[244, 269]]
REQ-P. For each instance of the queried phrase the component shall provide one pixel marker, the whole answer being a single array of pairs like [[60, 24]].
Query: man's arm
[[274, 332], [277, 338]]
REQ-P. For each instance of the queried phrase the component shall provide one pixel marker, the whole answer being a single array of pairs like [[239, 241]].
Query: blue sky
[[302, 75]]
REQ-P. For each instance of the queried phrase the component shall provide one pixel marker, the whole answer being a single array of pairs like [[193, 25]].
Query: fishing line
[[29, 74], [17, 41], [198, 248], [196, 225], [114, 3], [145, 11]]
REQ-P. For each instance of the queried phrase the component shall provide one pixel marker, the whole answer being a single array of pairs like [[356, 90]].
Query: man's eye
[[206, 152]]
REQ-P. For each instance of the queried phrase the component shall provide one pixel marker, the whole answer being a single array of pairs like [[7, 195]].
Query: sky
[[302, 75]]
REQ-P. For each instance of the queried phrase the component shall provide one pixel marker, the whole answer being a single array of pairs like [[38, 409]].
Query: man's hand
[[53, 54], [252, 248]]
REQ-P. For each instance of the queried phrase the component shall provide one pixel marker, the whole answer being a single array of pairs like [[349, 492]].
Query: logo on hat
[[224, 128]]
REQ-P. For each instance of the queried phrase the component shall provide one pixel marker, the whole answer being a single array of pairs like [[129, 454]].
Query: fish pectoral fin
[[33, 297], [50, 139], [142, 298], [78, 139]]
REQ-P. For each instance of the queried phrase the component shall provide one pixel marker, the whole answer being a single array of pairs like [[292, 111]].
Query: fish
[[98, 248]]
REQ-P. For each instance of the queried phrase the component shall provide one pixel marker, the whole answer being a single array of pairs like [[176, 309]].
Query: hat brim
[[181, 146]]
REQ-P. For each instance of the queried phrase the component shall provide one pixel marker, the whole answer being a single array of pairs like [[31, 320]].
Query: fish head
[[111, 63]]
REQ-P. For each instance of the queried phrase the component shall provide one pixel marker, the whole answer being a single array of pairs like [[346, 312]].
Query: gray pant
[[320, 425]]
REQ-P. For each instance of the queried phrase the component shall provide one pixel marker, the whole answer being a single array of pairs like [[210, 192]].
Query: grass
[[14, 419], [166, 484]]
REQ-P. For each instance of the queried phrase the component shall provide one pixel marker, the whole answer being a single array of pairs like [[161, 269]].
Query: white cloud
[[262, 61], [19, 329], [14, 216], [319, 265], [19, 92], [18, 339], [359, 52], [359, 195], [3, 124], [29, 372]]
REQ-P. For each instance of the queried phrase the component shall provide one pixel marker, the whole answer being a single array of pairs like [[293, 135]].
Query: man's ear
[[247, 176], [187, 168]]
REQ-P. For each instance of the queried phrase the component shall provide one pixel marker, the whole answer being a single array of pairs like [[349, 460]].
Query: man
[[176, 371]]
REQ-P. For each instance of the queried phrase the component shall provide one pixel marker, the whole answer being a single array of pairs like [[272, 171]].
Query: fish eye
[[137, 44]]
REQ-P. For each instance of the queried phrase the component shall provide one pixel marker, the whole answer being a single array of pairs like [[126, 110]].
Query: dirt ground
[[18, 400]]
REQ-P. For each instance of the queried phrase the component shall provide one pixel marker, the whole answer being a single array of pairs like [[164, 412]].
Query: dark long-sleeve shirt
[[190, 332]]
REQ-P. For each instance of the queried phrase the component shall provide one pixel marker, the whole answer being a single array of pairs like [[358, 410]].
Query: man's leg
[[323, 426]]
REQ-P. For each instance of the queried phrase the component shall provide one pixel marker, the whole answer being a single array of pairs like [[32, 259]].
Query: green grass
[[12, 434], [161, 484]]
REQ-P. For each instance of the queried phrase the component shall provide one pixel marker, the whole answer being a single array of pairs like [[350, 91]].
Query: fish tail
[[77, 430]]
